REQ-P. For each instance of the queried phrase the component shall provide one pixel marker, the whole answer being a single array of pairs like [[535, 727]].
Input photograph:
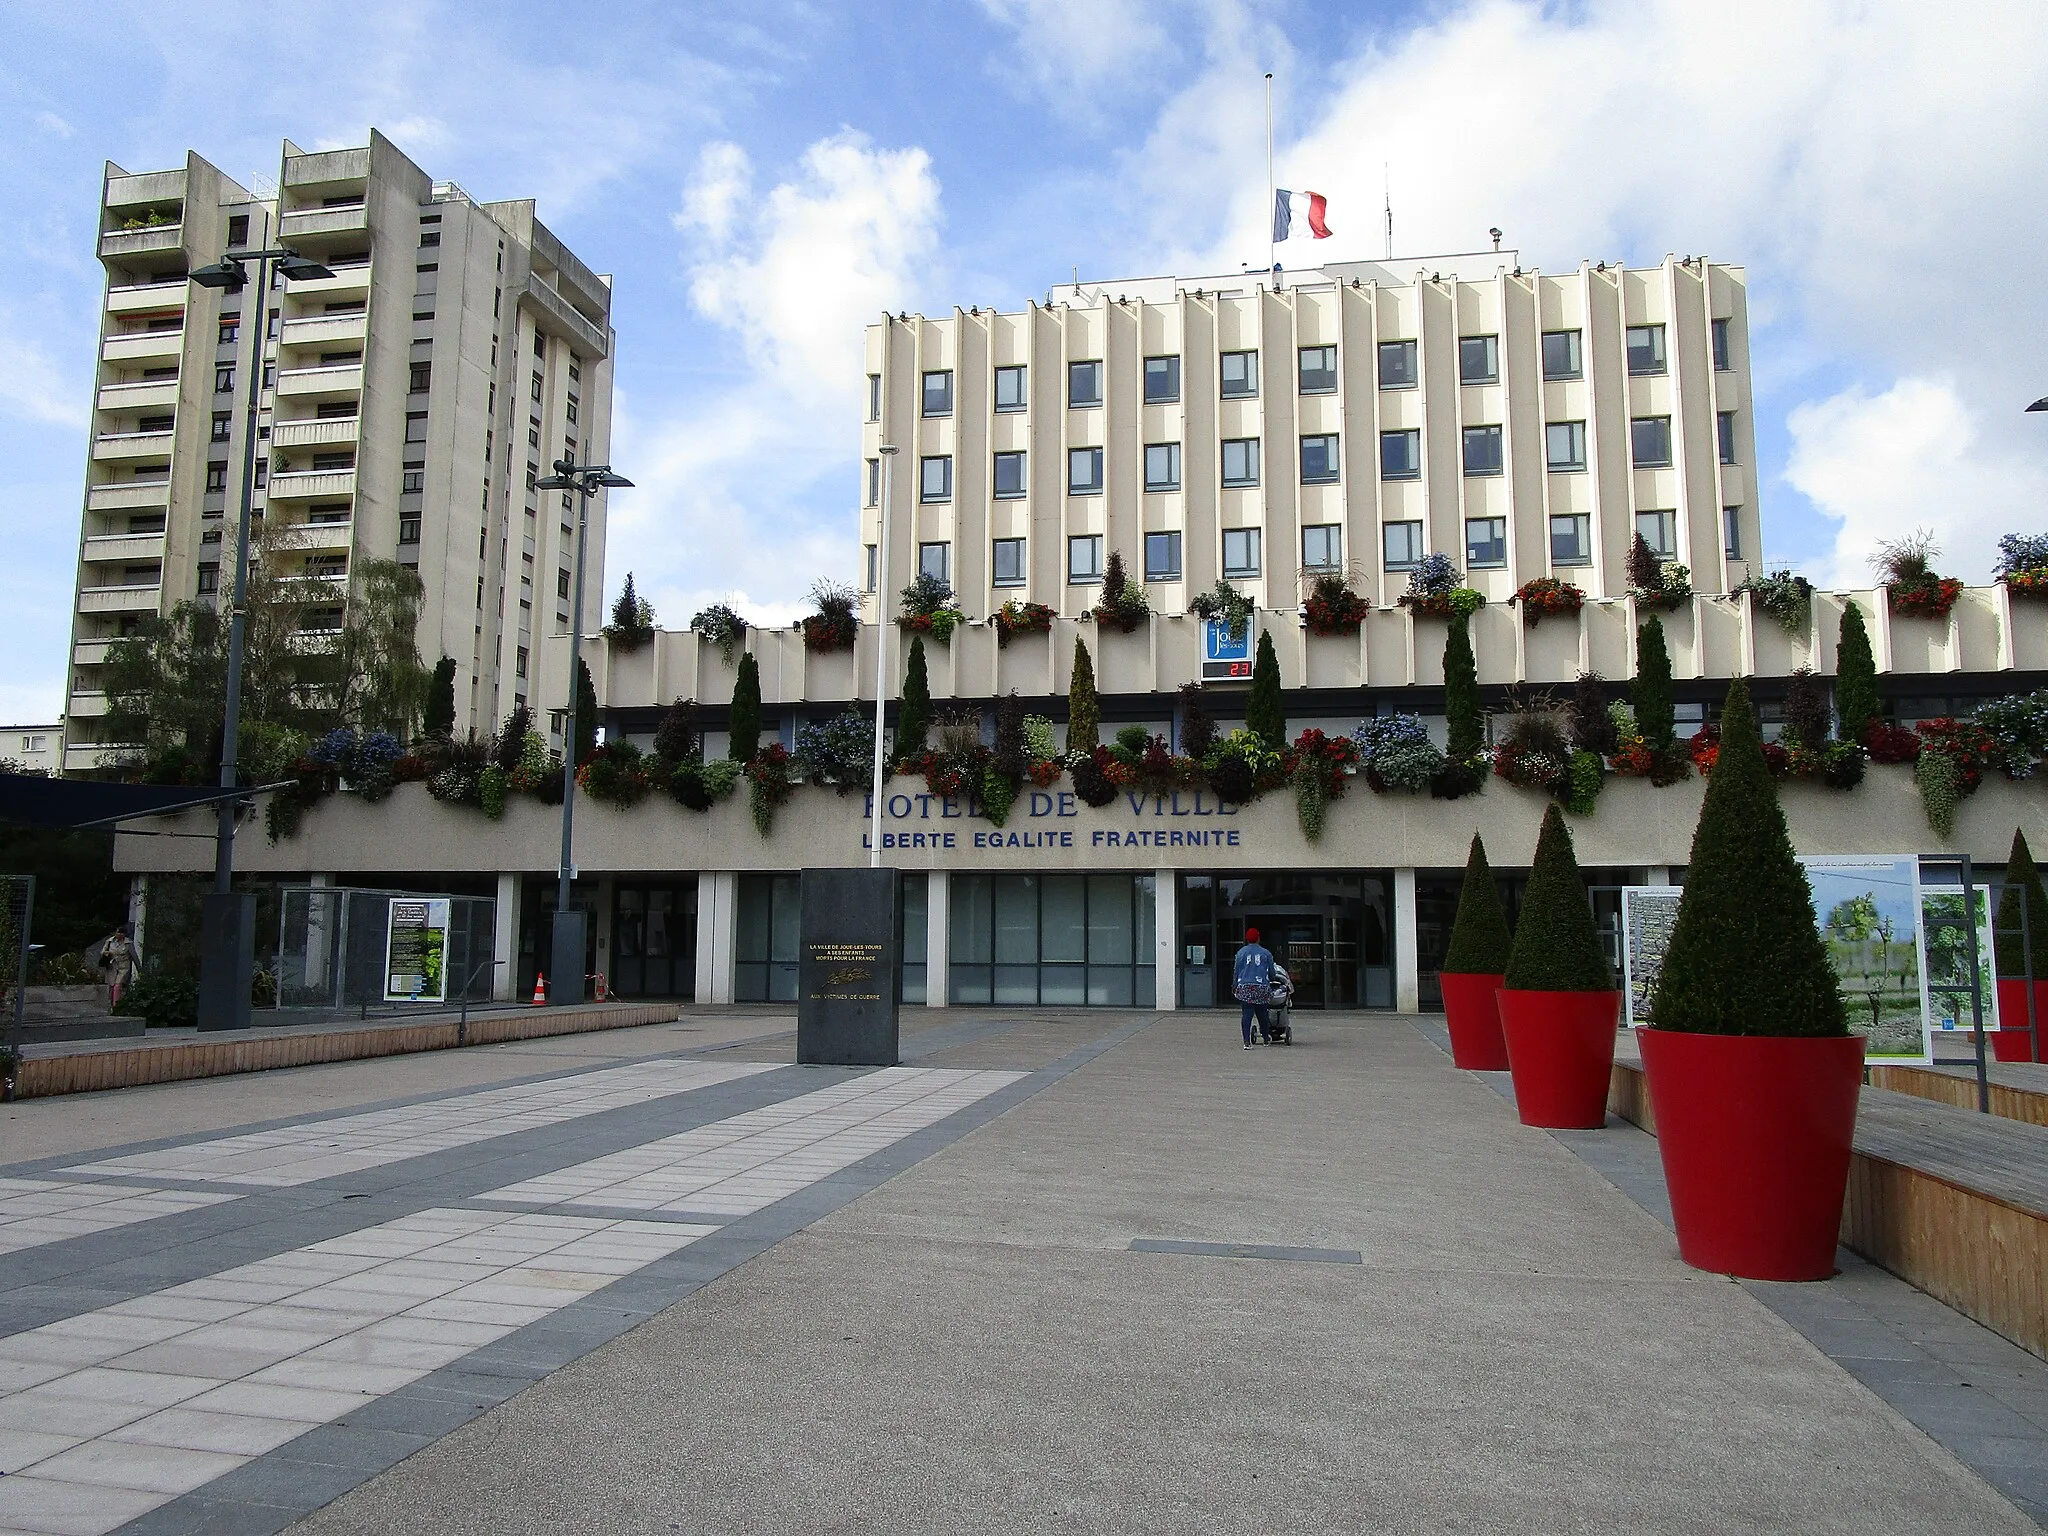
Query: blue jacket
[[1253, 967]]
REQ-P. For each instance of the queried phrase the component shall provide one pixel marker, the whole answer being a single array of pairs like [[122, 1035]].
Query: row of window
[[1322, 548], [1400, 459], [1315, 370]]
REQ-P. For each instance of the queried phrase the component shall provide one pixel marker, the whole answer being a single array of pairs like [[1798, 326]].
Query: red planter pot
[[2010, 1041], [1473, 1012], [1561, 1051], [1755, 1135]]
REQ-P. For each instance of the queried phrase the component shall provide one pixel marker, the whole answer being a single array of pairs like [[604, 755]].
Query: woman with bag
[[117, 964], [1251, 983]]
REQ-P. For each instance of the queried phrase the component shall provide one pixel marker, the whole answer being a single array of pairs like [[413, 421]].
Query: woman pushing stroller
[[1258, 982]]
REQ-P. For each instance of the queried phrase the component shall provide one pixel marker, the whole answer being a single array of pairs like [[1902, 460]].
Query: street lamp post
[[566, 949], [888, 452], [227, 954]]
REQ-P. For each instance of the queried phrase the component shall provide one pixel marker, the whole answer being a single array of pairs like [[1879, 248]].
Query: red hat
[[1251, 935]]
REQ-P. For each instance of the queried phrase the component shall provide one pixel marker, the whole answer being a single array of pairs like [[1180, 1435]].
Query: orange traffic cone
[[540, 989]]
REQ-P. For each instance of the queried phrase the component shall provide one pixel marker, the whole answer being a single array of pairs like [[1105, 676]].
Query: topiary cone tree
[[743, 731], [1473, 966], [440, 711], [1265, 712], [1650, 693], [2021, 941], [1084, 714], [1462, 715], [1557, 947], [914, 719], [586, 714], [1753, 1074], [1856, 701]]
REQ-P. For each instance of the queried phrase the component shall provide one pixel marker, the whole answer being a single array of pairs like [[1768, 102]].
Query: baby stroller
[[1280, 1010]]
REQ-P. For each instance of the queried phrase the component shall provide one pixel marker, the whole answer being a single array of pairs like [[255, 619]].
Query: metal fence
[[345, 947]]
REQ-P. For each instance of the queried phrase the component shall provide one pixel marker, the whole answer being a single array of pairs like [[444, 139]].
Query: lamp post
[[227, 952], [566, 949], [888, 452]]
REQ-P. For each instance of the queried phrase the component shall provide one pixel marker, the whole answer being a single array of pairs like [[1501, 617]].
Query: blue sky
[[762, 180]]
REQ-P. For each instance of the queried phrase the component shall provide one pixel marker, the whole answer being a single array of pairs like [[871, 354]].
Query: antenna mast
[[1387, 184]]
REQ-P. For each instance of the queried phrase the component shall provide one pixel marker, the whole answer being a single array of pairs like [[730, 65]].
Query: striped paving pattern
[[38, 1211]]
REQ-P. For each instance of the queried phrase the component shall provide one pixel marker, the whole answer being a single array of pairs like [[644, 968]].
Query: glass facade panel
[[1052, 939], [1065, 927], [1016, 922], [913, 934], [765, 928]]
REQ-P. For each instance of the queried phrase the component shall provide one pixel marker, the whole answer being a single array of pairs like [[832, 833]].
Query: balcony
[[144, 347], [305, 223], [131, 445], [308, 484], [310, 537], [138, 396], [83, 756], [88, 706], [331, 383], [90, 653], [146, 298], [119, 599], [318, 433], [346, 282], [558, 317], [158, 239], [309, 330], [101, 547], [128, 496]]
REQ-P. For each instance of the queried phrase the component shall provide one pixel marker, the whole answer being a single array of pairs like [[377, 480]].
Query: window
[[1162, 557], [1240, 375], [1084, 383], [160, 423], [1010, 395], [938, 393], [422, 377], [1646, 349], [229, 330], [415, 426], [1720, 329], [223, 380], [1397, 365], [1659, 530], [1401, 543], [1240, 461], [1564, 445], [1561, 358], [415, 479], [1162, 380], [1486, 542], [1649, 441], [209, 580], [519, 663], [238, 230], [1322, 547], [1318, 370], [269, 374], [1008, 563], [1084, 558], [533, 433], [874, 565], [1009, 476], [1162, 466], [874, 483], [408, 530], [1401, 454], [429, 238], [936, 560], [1571, 539], [262, 477], [561, 583], [1724, 430], [1478, 359], [935, 478], [1731, 532], [1240, 551], [336, 410], [539, 385], [569, 407], [1084, 471], [1319, 459], [1482, 451], [334, 461], [874, 397], [222, 425], [217, 476]]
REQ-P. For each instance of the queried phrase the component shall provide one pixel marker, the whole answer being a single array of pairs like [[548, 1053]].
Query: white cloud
[[50, 122], [1911, 457], [792, 275], [31, 387], [1072, 46]]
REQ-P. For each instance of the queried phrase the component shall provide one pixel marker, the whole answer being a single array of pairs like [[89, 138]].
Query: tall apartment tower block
[[1359, 418], [405, 407]]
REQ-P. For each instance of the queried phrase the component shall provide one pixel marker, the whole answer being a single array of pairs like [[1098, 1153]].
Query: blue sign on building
[[1226, 658]]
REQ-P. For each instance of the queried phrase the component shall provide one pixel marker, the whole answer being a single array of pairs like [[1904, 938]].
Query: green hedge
[[1557, 948]]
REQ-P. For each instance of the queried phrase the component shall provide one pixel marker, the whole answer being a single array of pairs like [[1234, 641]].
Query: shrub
[[1041, 742], [1316, 765], [744, 727], [2017, 728], [1462, 713], [1940, 779], [1265, 713], [1807, 716], [1224, 602], [1084, 714], [1015, 618], [723, 627], [1891, 743], [771, 781], [1231, 779], [1746, 956], [440, 711], [1784, 595], [914, 718], [1480, 937], [1546, 596], [1557, 947], [1588, 773], [1856, 700], [1009, 757], [1091, 783], [162, 1000], [2022, 900], [839, 752], [1197, 725], [1650, 693], [615, 775], [1592, 719], [491, 785], [675, 739], [1396, 754], [1333, 608], [833, 627], [998, 794], [632, 624], [1123, 602]]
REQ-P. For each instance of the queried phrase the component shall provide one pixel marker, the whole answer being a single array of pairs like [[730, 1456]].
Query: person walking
[[1251, 983], [117, 964]]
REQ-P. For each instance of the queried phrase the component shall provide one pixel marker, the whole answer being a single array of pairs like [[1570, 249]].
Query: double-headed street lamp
[[227, 953], [565, 952]]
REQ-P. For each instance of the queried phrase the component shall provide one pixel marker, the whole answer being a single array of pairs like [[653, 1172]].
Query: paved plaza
[[1091, 1271]]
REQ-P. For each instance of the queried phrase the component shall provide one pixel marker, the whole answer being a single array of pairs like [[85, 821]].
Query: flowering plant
[[771, 780], [1436, 590], [2023, 564], [1545, 596], [1656, 583], [1912, 586], [1123, 603], [1015, 618], [1891, 743], [929, 608], [1784, 595], [1316, 765], [2018, 728], [1397, 754], [833, 627], [1225, 602], [1333, 608], [724, 628]]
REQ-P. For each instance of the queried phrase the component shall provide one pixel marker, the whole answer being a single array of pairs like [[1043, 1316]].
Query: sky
[[762, 181]]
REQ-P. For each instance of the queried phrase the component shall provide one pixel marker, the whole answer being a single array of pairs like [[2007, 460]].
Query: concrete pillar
[[323, 932], [1407, 945], [505, 940], [1657, 874], [1166, 939], [604, 930], [717, 898], [938, 939], [138, 914]]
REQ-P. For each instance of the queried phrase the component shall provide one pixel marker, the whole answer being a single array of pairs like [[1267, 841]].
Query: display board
[[1226, 658], [416, 950], [1947, 936], [1647, 913], [846, 969]]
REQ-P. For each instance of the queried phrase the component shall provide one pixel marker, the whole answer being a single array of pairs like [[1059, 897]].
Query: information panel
[[416, 950], [1226, 658], [846, 969]]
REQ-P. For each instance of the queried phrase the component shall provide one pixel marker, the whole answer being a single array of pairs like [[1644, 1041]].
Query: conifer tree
[[1480, 938], [1462, 714], [2023, 895], [586, 714], [1265, 713], [1856, 701], [914, 719], [1557, 947], [1650, 693], [675, 739], [743, 732], [440, 712], [1746, 956], [1084, 714]]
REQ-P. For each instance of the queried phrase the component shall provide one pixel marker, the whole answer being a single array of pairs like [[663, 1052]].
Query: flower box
[[1923, 597], [1546, 597]]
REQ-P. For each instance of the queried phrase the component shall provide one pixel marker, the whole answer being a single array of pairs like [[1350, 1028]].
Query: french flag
[[1283, 213]]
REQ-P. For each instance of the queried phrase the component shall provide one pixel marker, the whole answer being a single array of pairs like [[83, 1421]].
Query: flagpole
[[1269, 183]]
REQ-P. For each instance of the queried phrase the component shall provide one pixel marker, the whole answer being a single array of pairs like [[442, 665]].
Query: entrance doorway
[[1333, 932], [654, 939]]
